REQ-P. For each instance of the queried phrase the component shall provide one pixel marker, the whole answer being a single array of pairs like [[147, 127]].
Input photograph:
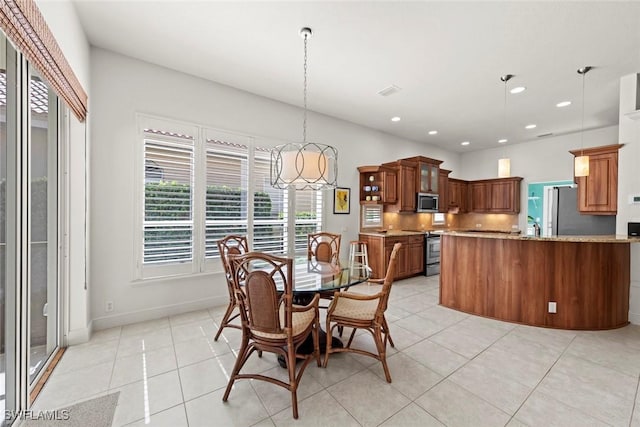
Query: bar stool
[[358, 253]]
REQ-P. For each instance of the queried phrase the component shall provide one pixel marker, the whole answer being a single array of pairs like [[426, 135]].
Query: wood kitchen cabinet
[[377, 182], [598, 192], [501, 195], [427, 174], [410, 261], [458, 195], [479, 194], [406, 190], [443, 185]]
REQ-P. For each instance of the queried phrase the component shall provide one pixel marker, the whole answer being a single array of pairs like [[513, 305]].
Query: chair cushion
[[355, 309], [301, 320]]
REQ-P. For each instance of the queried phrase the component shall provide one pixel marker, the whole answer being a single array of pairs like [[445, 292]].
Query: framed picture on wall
[[341, 200]]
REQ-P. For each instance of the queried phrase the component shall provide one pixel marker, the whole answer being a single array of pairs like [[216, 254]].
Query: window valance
[[25, 26]]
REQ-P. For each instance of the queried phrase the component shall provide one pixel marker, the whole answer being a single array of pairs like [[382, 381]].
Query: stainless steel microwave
[[427, 202]]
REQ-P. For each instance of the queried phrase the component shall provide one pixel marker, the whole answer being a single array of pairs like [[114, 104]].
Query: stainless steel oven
[[432, 254]]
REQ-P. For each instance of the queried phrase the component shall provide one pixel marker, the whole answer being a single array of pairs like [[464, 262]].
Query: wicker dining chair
[[270, 320], [359, 311], [230, 245], [324, 246]]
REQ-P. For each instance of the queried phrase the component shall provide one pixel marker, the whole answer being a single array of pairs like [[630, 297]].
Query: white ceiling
[[446, 56]]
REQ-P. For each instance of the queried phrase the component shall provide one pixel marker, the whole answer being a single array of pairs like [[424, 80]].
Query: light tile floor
[[448, 368]]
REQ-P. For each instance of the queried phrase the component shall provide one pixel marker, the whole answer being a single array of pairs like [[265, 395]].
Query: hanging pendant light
[[304, 165], [581, 162], [504, 164]]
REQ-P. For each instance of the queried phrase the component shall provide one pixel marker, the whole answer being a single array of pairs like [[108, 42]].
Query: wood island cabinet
[[458, 195], [410, 261], [598, 192]]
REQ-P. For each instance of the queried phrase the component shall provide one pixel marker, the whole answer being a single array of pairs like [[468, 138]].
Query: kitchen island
[[518, 278]]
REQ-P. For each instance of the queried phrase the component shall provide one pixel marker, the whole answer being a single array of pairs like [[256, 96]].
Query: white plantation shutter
[[168, 197], [270, 212], [308, 217], [371, 216], [226, 192], [198, 189]]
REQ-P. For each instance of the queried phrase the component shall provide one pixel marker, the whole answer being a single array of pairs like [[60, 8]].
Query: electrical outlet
[[514, 226], [552, 307], [390, 226], [108, 306], [478, 225]]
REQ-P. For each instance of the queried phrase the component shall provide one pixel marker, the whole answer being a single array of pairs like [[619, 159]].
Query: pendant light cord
[[304, 120], [504, 118], [582, 123]]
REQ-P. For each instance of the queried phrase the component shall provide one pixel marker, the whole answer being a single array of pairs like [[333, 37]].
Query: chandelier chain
[[304, 120]]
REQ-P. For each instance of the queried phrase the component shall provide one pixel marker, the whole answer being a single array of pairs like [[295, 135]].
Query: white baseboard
[[122, 319], [634, 318], [79, 336]]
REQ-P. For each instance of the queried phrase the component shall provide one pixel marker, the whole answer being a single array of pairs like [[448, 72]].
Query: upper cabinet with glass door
[[427, 176]]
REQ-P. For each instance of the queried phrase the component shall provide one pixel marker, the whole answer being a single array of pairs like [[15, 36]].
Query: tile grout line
[[542, 379], [635, 399]]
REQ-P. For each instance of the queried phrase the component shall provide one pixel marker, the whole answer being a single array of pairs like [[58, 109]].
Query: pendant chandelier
[[581, 162], [504, 164], [304, 165]]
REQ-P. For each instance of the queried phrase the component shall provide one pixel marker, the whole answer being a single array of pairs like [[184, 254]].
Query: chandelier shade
[[304, 166]]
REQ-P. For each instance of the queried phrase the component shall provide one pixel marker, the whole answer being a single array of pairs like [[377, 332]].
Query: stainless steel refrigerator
[[566, 220]]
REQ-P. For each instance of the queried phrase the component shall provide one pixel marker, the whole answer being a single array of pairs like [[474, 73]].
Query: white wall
[[545, 160], [629, 182], [122, 87], [64, 23]]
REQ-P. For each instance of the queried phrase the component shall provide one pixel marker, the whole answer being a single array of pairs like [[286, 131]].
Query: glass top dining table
[[311, 276]]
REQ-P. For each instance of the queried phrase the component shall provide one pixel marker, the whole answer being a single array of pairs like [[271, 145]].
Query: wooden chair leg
[[386, 331], [353, 334], [316, 343], [293, 384], [328, 345], [377, 337], [225, 319]]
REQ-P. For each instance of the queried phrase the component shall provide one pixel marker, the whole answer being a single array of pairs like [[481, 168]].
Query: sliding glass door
[[43, 237], [29, 231]]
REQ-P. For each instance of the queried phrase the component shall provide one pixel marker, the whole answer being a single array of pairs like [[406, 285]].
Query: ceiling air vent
[[543, 135], [389, 90]]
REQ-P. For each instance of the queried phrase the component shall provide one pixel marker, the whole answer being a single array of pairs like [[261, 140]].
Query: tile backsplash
[[424, 221]]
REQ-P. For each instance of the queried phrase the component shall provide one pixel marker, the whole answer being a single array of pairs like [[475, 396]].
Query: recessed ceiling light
[[395, 119], [563, 104], [502, 141], [465, 143], [518, 89], [433, 132], [531, 126]]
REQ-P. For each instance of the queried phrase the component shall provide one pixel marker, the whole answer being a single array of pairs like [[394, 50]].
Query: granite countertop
[[613, 238], [393, 233]]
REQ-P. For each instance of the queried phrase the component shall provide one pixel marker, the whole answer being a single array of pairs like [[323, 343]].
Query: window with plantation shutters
[[226, 207], [308, 217], [198, 189], [168, 201], [270, 211]]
